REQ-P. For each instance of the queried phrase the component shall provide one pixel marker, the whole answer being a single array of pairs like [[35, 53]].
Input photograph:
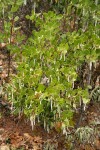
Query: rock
[[1, 62], [27, 136], [1, 131], [4, 147], [1, 139]]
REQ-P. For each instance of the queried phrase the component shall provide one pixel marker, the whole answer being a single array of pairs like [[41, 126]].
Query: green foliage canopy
[[43, 88]]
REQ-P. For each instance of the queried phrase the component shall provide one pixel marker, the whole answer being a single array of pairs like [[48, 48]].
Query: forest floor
[[17, 134]]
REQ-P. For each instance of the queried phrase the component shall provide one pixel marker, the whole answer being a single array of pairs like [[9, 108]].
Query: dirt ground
[[17, 133]]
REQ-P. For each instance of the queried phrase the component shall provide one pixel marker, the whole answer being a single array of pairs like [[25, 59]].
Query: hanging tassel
[[64, 129], [31, 120], [38, 119], [12, 106], [96, 2], [19, 84], [59, 111], [44, 124], [68, 78], [40, 101], [73, 85], [54, 117], [12, 94], [51, 78], [51, 104], [58, 78], [54, 62], [40, 56], [34, 7], [51, 2], [95, 64], [90, 66], [34, 61], [3, 12], [61, 56], [80, 101], [25, 2], [48, 130], [84, 108], [64, 56], [83, 12], [34, 120]]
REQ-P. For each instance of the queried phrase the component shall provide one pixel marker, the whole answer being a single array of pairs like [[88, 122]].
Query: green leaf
[[16, 18]]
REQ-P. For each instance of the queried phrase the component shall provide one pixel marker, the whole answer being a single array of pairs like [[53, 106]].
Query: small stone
[[1, 69], [1, 131], [1, 138], [1, 62], [4, 147]]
